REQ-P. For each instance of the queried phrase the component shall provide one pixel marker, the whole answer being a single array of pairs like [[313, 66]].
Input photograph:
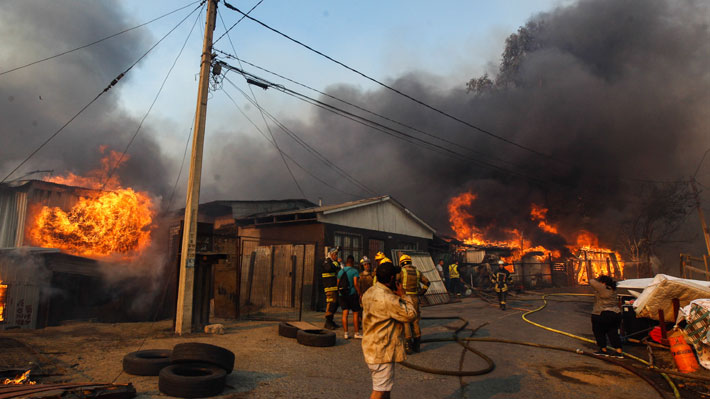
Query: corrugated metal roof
[[327, 209]]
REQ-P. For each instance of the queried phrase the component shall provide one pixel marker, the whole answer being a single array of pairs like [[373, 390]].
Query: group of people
[[388, 298], [500, 279]]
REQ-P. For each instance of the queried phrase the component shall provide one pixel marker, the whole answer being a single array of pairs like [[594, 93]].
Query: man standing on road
[[414, 284], [330, 285], [501, 280], [385, 309], [454, 279], [349, 296], [440, 268], [366, 277]]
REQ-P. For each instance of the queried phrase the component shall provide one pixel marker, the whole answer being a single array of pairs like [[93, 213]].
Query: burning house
[[58, 237], [537, 251]]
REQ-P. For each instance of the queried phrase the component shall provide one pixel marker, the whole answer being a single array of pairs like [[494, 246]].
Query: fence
[[690, 266], [275, 280]]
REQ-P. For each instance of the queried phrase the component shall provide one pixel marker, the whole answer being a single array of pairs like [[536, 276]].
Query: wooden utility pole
[[183, 314], [706, 232]]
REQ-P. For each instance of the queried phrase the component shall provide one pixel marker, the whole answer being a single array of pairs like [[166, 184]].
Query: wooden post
[[706, 232], [707, 272], [186, 284], [608, 266], [682, 266]]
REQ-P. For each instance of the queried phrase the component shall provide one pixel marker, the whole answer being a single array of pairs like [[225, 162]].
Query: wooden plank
[[298, 268], [303, 325], [261, 280], [309, 282], [225, 293], [282, 276]]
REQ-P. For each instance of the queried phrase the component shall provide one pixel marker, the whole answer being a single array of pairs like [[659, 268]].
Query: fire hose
[[630, 356], [491, 365]]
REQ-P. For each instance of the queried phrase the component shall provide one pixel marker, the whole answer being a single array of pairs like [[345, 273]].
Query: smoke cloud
[[37, 100], [613, 91]]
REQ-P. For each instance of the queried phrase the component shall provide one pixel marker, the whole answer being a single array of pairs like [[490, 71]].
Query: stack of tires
[[189, 370], [314, 337]]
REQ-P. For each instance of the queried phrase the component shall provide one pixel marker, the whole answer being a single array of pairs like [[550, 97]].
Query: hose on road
[[676, 393], [490, 364]]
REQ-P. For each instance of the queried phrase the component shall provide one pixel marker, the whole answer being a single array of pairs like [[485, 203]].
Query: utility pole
[[186, 284], [706, 232]]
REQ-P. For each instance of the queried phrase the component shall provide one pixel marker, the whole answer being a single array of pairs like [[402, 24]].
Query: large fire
[[591, 257], [23, 378], [115, 222]]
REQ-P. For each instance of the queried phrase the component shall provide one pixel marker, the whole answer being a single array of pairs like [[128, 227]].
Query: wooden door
[[283, 276]]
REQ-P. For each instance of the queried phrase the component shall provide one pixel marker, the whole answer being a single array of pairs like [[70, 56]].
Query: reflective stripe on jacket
[[454, 271]]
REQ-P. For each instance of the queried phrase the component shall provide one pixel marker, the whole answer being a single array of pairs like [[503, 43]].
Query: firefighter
[[501, 279], [414, 284], [330, 285], [454, 279], [380, 258], [367, 275]]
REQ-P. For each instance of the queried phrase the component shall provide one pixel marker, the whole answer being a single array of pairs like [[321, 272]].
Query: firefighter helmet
[[405, 260]]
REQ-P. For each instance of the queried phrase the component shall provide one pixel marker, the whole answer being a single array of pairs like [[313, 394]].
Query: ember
[[24, 378], [590, 256], [104, 223]]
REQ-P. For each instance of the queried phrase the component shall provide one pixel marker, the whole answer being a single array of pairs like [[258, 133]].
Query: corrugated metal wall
[[22, 295]]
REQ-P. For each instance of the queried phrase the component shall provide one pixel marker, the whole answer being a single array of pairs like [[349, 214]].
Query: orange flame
[[585, 243], [100, 224], [24, 378], [3, 299]]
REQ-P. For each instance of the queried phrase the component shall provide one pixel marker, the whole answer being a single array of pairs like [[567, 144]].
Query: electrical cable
[[182, 164], [285, 154], [307, 146], [388, 87], [226, 32], [232, 56], [268, 127], [107, 88], [383, 128], [98, 41], [150, 108]]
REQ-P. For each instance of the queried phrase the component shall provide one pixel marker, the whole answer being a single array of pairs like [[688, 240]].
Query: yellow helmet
[[405, 259], [379, 256]]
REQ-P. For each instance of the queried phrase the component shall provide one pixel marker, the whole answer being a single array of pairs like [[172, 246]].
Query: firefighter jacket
[[413, 282], [454, 271], [501, 279], [329, 277]]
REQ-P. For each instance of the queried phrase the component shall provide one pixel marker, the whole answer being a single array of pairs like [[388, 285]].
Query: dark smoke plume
[[615, 92], [37, 100]]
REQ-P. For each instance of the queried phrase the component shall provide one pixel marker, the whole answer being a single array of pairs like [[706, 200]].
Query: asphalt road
[[270, 366]]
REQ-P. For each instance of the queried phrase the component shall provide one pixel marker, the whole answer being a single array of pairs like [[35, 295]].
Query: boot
[[408, 346], [417, 343], [330, 324]]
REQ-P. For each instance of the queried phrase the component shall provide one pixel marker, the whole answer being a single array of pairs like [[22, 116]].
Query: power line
[[382, 128], [290, 172], [98, 41], [113, 83], [363, 108], [388, 87], [150, 108], [182, 163], [307, 146], [285, 154], [226, 32]]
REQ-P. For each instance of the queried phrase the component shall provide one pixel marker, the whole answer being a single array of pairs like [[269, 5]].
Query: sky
[[452, 40]]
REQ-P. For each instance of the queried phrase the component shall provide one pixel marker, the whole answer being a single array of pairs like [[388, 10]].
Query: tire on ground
[[320, 338], [192, 380], [287, 330], [193, 352], [146, 362]]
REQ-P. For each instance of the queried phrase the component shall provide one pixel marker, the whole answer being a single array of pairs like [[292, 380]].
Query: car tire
[[287, 330], [192, 380], [146, 362], [320, 338], [193, 352]]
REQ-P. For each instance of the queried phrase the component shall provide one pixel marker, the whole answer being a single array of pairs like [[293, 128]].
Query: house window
[[375, 246], [411, 246], [350, 244]]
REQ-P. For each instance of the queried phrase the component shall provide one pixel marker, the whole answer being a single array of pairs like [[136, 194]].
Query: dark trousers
[[502, 296], [606, 325], [454, 286]]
